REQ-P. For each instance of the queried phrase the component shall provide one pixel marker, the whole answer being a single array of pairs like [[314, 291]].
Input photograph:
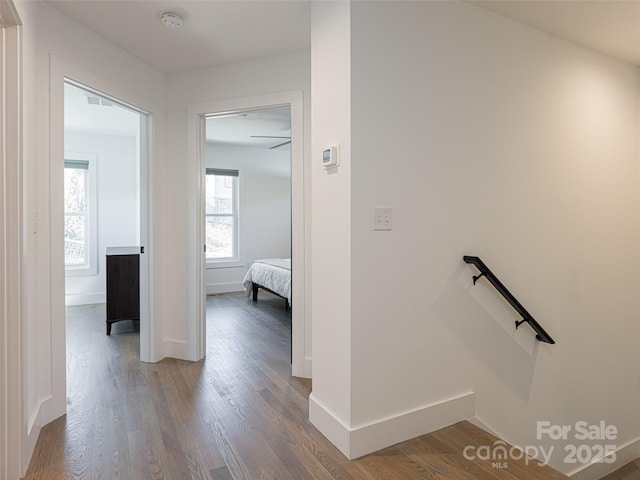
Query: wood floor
[[631, 471], [237, 415]]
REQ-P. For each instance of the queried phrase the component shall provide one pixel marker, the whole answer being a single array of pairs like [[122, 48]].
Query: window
[[80, 216], [221, 211]]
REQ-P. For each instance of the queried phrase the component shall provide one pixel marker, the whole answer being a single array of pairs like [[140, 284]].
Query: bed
[[272, 275]]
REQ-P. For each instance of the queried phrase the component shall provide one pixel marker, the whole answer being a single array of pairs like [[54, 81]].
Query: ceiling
[[611, 27], [240, 129], [214, 32]]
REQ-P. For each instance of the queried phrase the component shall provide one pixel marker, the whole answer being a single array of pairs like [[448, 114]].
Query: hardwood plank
[[221, 473], [441, 460], [237, 415], [392, 464], [630, 471]]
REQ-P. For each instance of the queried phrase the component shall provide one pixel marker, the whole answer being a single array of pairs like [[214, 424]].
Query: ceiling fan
[[271, 136]]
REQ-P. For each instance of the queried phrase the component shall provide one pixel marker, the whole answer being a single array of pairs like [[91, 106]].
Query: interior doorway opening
[[103, 214], [199, 114], [247, 209]]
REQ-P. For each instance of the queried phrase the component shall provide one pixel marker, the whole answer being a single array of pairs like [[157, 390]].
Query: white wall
[[117, 201], [47, 32], [264, 209], [518, 148], [176, 230], [330, 402], [497, 140]]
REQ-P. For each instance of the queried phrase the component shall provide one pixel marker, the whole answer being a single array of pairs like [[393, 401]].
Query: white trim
[[483, 426], [217, 264], [332, 427], [398, 428], [217, 288], [368, 438], [57, 362], [149, 331], [13, 450], [175, 349], [33, 428], [71, 300], [307, 367], [196, 299], [594, 471], [196, 114]]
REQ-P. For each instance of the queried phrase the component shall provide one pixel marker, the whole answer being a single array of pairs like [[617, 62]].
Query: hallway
[[235, 415]]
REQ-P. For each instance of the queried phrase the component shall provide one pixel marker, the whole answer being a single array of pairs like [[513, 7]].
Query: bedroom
[[248, 201]]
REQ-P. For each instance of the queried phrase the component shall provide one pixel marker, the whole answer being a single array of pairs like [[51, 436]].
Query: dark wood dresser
[[123, 284]]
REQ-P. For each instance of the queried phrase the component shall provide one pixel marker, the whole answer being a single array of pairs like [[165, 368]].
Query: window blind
[[80, 164], [222, 172]]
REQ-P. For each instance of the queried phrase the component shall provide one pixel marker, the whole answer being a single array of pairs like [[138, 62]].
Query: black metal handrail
[[541, 335]]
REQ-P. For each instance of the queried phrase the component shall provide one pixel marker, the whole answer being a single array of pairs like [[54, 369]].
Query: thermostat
[[330, 157]]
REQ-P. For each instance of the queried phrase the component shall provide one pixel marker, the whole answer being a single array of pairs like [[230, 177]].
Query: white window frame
[[91, 192], [234, 261]]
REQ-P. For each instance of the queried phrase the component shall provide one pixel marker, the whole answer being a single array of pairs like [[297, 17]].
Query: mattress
[[271, 273]]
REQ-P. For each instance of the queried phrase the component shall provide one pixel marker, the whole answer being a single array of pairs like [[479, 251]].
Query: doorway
[[103, 185], [198, 115]]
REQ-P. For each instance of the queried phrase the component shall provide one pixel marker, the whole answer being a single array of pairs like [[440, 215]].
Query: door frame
[[197, 113], [62, 72], [12, 432]]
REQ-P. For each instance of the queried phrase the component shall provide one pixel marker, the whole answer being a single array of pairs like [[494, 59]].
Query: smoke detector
[[171, 19]]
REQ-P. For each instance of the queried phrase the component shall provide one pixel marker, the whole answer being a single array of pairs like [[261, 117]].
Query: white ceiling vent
[[95, 100]]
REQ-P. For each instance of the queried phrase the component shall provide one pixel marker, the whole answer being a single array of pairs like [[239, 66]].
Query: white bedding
[[272, 273]]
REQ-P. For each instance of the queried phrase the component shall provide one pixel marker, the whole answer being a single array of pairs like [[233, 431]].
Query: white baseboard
[[176, 349], [34, 425], [593, 471], [33, 432], [30, 446], [359, 441], [330, 426], [84, 299], [383, 433], [483, 426], [216, 288], [46, 412]]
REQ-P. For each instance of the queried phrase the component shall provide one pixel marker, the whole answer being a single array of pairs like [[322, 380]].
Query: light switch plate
[[382, 218]]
